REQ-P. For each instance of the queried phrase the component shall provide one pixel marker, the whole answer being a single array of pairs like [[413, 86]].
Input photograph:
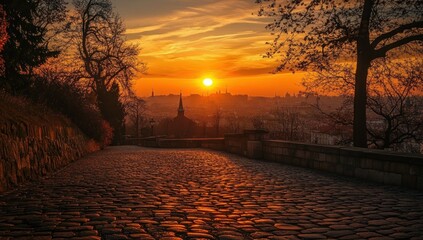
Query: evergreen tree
[[113, 111], [24, 49]]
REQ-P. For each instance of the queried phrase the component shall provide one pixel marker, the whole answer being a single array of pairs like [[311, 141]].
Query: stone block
[[378, 165], [332, 158], [361, 173], [399, 167], [339, 169], [377, 176], [303, 162], [348, 170], [299, 153], [285, 151], [414, 170], [316, 164], [254, 149], [366, 163], [392, 178], [35, 150], [351, 161], [419, 183], [408, 181], [314, 156]]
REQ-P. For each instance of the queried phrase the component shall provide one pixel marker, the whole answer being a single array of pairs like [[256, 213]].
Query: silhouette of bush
[[107, 137], [74, 103]]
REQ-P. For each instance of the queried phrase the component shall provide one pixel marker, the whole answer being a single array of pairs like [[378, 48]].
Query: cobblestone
[[138, 193]]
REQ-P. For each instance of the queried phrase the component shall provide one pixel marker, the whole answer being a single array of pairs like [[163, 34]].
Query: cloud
[[193, 38]]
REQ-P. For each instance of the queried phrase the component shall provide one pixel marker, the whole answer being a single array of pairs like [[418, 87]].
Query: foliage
[[107, 134], [113, 111], [3, 37], [26, 47], [313, 34], [324, 35], [72, 102], [107, 62]]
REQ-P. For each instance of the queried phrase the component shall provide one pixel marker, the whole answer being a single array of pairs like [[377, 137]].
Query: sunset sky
[[185, 41]]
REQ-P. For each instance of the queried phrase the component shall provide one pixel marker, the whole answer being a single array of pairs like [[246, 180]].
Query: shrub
[[71, 101]]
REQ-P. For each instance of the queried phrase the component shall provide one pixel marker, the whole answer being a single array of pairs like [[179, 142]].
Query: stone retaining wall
[[29, 150], [374, 165]]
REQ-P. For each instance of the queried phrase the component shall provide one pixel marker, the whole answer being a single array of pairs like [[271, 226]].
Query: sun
[[208, 82]]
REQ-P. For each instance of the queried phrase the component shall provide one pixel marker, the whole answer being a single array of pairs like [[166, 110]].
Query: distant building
[[180, 126]]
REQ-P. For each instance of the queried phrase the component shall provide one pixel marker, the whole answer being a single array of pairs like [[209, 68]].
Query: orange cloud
[[190, 40]]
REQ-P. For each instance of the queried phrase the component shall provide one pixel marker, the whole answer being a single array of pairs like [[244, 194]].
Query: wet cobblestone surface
[[138, 193]]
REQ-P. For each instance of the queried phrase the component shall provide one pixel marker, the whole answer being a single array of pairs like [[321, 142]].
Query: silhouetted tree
[[113, 111], [27, 47], [258, 122], [216, 119], [233, 122], [105, 55], [107, 60], [51, 16], [395, 110], [289, 123], [315, 34], [135, 109]]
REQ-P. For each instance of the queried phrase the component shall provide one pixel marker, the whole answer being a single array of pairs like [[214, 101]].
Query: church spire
[[181, 110]]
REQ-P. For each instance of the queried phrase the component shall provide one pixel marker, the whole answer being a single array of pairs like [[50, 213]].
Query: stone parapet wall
[[236, 143], [368, 164], [163, 142], [210, 143], [374, 165], [29, 150]]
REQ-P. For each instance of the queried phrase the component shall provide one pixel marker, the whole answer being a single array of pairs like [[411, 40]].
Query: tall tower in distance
[[181, 111]]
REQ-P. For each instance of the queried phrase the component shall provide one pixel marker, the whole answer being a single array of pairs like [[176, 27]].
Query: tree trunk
[[360, 100], [364, 52]]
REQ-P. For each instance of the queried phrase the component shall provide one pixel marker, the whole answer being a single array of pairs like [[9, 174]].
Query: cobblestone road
[[130, 192]]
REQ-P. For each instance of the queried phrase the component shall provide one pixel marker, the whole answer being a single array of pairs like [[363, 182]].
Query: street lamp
[[152, 122]]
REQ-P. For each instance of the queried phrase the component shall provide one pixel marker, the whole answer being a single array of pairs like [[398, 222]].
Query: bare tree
[[315, 34], [217, 117], [102, 48], [288, 123], [135, 109], [258, 122], [395, 108], [233, 122], [51, 17]]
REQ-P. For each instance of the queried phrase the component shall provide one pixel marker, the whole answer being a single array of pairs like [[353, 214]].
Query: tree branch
[[396, 31], [383, 50]]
